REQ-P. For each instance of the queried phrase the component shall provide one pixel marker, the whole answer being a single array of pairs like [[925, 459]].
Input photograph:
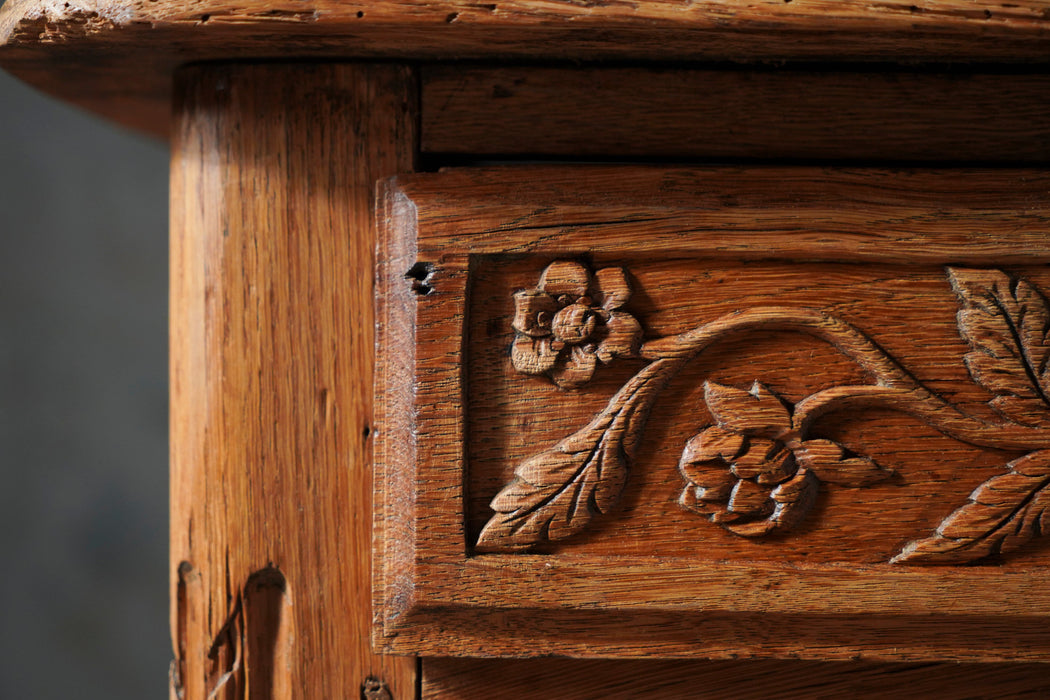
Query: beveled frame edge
[[434, 598], [393, 418]]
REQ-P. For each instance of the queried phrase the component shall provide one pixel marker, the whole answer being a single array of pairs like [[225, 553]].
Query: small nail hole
[[420, 274]]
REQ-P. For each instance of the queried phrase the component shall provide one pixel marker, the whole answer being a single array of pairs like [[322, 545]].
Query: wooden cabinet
[[679, 365]]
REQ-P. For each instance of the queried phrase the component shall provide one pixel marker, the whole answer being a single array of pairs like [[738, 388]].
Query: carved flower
[[571, 320], [753, 473]]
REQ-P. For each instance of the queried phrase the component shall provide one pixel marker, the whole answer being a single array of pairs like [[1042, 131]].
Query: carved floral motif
[[758, 469], [753, 473], [571, 320]]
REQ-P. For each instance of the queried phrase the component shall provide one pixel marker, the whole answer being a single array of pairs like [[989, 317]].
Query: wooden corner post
[[272, 225]]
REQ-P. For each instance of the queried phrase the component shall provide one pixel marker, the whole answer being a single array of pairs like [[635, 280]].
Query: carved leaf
[[832, 463], [1007, 322], [755, 412], [1002, 514], [555, 493], [1027, 412]]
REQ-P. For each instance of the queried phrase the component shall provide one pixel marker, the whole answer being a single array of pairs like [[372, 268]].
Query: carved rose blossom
[[571, 320], [753, 473]]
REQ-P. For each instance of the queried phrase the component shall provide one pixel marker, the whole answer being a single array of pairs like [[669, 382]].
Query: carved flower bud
[[733, 478], [574, 324]]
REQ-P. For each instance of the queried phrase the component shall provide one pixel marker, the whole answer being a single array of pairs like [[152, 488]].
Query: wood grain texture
[[272, 353], [754, 213], [82, 49], [827, 286], [540, 679], [772, 114]]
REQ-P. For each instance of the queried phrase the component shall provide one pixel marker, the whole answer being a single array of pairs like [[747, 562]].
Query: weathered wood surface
[[771, 114], [117, 56], [545, 313], [541, 679], [272, 353]]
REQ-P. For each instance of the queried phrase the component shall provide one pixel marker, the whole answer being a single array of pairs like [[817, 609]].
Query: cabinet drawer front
[[714, 412]]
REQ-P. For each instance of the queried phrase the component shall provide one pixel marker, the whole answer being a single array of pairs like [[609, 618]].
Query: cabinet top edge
[[116, 57]]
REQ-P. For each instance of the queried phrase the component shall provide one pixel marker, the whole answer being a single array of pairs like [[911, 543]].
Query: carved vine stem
[[895, 387], [930, 409], [758, 469]]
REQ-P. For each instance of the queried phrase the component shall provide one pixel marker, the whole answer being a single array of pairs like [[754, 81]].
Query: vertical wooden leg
[[273, 172]]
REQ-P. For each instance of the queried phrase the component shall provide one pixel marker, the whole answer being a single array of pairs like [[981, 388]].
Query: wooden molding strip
[[650, 113]]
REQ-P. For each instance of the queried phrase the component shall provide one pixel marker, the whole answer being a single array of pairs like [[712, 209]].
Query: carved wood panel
[[752, 433], [795, 391]]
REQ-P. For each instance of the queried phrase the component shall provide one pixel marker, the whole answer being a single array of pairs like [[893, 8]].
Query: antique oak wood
[[272, 226], [271, 352]]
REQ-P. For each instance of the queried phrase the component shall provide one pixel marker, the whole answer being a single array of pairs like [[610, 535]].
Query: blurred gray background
[[83, 405]]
